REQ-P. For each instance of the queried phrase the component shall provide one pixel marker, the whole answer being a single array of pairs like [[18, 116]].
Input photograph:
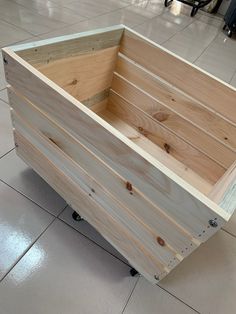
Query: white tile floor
[[52, 264]]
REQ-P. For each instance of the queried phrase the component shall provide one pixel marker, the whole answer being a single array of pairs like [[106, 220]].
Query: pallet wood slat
[[194, 82], [120, 238], [168, 118], [170, 231], [183, 105], [127, 141]]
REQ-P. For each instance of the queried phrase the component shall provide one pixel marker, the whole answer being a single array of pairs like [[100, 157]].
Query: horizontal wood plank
[[188, 78], [120, 238], [172, 121], [152, 217], [49, 50], [166, 159], [178, 148], [83, 76], [173, 99]]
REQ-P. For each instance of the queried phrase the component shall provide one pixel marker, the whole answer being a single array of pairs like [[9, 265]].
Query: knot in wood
[[129, 186], [167, 148], [160, 241]]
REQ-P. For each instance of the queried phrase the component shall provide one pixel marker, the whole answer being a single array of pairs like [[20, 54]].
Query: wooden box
[[141, 143]]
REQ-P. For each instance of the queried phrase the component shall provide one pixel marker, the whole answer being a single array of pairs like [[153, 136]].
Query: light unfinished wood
[[141, 169], [177, 101], [165, 255], [50, 50], [224, 191], [166, 159], [169, 119], [155, 132], [85, 75], [120, 238], [193, 81], [159, 224]]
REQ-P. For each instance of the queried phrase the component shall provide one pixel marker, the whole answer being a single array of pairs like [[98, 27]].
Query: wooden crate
[[138, 141]]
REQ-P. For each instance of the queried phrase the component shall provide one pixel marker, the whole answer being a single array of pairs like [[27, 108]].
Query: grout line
[[178, 299], [25, 252], [228, 232], [205, 49], [85, 236], [7, 153], [31, 200], [131, 293]]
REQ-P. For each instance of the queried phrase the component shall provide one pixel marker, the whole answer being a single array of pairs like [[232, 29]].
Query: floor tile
[[191, 41], [4, 96], [206, 280], [233, 80], [114, 18], [223, 63], [6, 137], [149, 9], [162, 27], [28, 20], [52, 10], [87, 230], [2, 75], [90, 8], [17, 174], [10, 34], [151, 299], [21, 223], [66, 273]]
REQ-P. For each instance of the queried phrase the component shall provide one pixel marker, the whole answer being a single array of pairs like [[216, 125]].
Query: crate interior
[[149, 111]]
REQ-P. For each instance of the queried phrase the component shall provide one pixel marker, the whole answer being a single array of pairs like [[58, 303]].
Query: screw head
[[156, 277], [5, 60], [213, 223]]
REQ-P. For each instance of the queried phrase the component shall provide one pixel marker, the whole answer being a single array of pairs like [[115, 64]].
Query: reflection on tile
[[52, 11], [221, 64], [206, 280], [17, 174], [86, 229], [191, 42], [66, 273], [151, 299], [6, 137], [90, 8], [21, 223], [10, 34], [28, 20], [163, 27]]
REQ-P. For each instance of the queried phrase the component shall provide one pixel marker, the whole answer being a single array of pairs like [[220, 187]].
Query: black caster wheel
[[194, 11], [133, 272], [224, 27], [229, 33], [76, 216], [168, 2]]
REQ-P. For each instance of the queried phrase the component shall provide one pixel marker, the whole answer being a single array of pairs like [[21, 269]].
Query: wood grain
[[50, 50], [155, 132], [174, 122], [188, 78], [191, 209], [129, 247], [83, 76], [180, 103], [159, 224]]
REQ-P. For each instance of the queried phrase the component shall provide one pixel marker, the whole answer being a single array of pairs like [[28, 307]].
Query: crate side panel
[[121, 239]]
